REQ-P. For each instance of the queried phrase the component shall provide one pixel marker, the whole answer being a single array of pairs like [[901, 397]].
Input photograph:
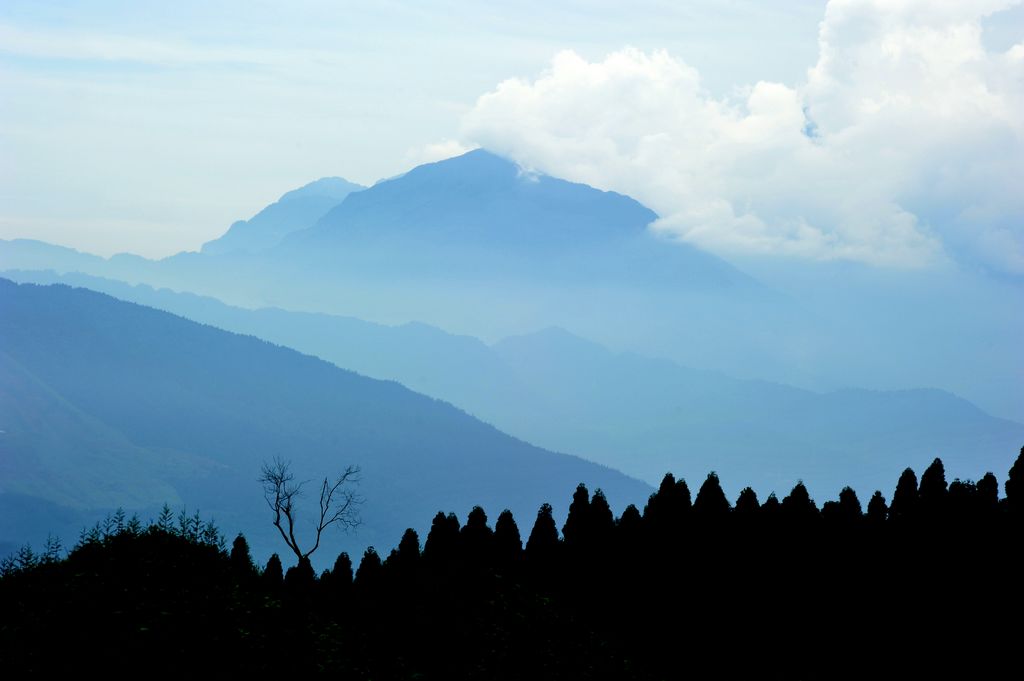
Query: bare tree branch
[[339, 510], [280, 491], [338, 503]]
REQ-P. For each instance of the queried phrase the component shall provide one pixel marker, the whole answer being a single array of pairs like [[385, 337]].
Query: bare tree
[[338, 502]]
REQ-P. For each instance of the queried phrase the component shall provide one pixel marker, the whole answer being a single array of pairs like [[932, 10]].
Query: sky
[[889, 133]]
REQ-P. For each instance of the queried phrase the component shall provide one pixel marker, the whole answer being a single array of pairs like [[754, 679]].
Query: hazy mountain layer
[[55, 452], [641, 415], [153, 390], [477, 246]]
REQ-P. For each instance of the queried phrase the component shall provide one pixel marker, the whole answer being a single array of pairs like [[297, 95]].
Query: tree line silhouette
[[687, 586]]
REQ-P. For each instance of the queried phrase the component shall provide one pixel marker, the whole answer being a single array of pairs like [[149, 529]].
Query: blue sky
[[149, 127]]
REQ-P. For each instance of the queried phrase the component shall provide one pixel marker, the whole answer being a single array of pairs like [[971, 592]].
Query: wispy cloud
[[56, 43], [63, 44]]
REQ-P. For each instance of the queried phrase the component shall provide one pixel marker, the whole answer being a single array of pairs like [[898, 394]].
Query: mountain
[[483, 200], [481, 215], [645, 416], [30, 254], [156, 406], [296, 210], [641, 415], [477, 246]]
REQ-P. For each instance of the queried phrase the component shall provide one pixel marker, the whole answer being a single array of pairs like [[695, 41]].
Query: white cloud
[[905, 143]]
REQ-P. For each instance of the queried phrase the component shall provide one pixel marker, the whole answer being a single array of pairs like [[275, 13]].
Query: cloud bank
[[903, 147]]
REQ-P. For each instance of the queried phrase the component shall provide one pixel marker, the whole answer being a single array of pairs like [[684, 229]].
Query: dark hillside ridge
[[211, 406]]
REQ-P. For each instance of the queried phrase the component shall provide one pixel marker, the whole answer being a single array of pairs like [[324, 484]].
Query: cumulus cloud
[[903, 146]]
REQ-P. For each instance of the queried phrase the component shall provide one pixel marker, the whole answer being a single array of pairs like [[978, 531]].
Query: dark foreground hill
[[112, 404], [922, 587]]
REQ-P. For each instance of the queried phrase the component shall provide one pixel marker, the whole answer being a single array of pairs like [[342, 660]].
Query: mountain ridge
[[478, 213], [169, 384], [644, 415], [295, 210]]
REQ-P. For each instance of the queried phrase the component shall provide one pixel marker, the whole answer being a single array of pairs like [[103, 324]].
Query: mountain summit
[[482, 199], [297, 209], [481, 215]]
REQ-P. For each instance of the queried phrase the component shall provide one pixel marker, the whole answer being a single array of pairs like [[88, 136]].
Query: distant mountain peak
[[480, 160], [483, 201], [329, 187], [482, 217], [484, 168], [295, 210]]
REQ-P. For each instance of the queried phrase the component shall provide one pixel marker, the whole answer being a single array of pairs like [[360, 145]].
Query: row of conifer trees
[[776, 588], [927, 585], [933, 504]]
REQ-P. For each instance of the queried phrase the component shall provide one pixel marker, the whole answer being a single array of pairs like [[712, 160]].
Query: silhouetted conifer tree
[[337, 582], [668, 508], [963, 500], [341, 573], [301, 577], [476, 534], [668, 483], [602, 520], [798, 506], [370, 570], [746, 503], [878, 511], [273, 573], [1014, 485], [711, 503], [477, 539], [628, 543], [406, 557], [542, 546], [577, 524], [508, 543], [849, 505], [904, 500], [931, 495], [630, 520], [409, 547], [165, 521], [988, 493], [771, 508], [241, 559], [443, 539], [681, 499]]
